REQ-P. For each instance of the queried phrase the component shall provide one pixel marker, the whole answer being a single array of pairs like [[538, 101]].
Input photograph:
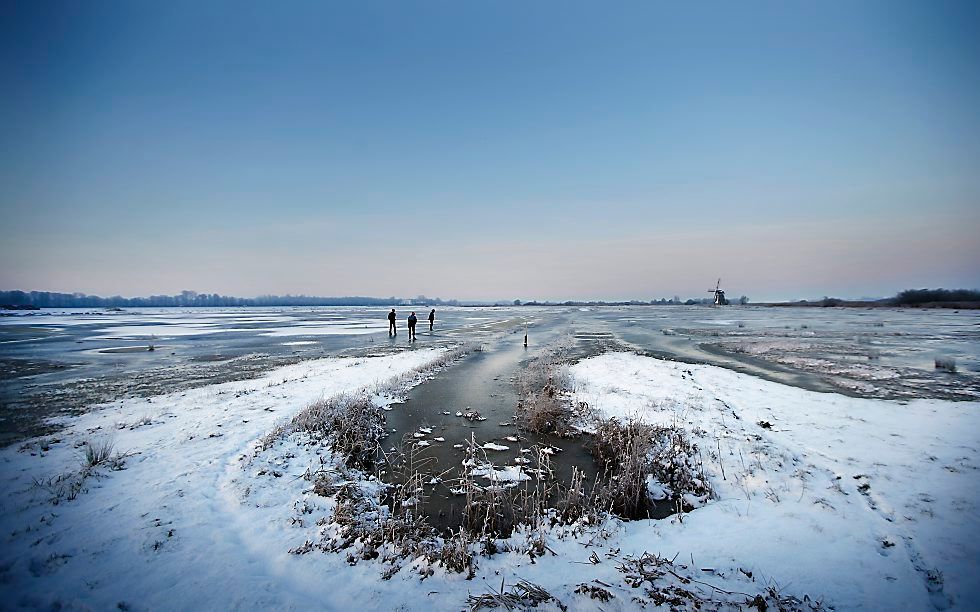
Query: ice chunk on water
[[495, 447]]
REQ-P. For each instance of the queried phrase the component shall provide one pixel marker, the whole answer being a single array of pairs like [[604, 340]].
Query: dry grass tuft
[[624, 451], [68, 485], [594, 592], [99, 454], [634, 453], [456, 554], [522, 596], [541, 385], [352, 424], [673, 585]]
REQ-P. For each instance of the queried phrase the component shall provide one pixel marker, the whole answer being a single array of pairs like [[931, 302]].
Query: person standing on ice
[[412, 320], [392, 330], [432, 318]]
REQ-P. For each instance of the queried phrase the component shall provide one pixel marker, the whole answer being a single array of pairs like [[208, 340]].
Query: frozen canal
[[59, 362]]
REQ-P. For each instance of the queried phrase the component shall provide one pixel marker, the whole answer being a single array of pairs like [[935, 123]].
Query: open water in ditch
[[472, 404]]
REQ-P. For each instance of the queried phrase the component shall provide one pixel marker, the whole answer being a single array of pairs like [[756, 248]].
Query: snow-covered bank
[[865, 502], [168, 531], [862, 503]]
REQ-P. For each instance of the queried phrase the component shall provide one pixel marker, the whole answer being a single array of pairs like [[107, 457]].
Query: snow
[[495, 447], [863, 503], [509, 474], [171, 529]]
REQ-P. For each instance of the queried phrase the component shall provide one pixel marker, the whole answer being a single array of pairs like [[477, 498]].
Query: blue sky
[[545, 150]]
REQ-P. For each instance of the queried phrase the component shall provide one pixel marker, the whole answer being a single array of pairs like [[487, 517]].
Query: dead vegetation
[[100, 453], [540, 408], [352, 424], [625, 452], [541, 385], [666, 583], [96, 457], [631, 455], [388, 524], [391, 531], [637, 457], [496, 505], [521, 596]]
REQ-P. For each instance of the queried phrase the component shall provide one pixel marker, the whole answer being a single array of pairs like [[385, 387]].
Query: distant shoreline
[[8, 309], [961, 299], [872, 304]]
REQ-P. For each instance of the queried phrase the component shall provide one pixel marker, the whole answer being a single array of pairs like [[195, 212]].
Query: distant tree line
[[675, 301], [937, 298], [50, 299], [925, 296]]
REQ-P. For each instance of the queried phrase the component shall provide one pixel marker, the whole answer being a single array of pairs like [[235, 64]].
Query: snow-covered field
[[864, 502], [169, 530], [855, 502]]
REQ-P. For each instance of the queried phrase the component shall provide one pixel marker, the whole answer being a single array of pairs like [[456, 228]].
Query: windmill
[[719, 295]]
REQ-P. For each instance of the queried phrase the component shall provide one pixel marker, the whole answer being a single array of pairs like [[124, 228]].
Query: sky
[[490, 150]]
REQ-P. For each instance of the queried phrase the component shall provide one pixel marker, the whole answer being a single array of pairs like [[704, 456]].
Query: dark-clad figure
[[412, 320], [432, 318], [392, 330]]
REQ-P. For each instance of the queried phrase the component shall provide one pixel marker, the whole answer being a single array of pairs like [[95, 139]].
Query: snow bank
[[171, 530], [867, 502]]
